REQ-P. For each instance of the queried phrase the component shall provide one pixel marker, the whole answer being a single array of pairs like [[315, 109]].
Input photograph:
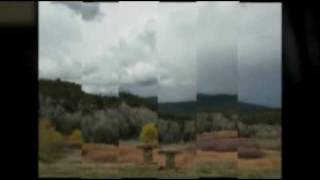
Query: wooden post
[[170, 157], [170, 160], [147, 152], [147, 155]]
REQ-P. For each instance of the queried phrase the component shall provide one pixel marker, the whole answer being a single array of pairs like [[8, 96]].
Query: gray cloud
[[177, 93], [88, 11], [91, 11], [148, 82], [217, 48], [176, 49], [149, 90]]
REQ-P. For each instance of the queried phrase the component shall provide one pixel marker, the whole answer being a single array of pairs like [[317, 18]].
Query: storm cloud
[[169, 50], [89, 11]]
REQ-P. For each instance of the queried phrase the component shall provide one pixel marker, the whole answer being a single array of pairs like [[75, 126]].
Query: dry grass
[[100, 153], [125, 160], [271, 159], [205, 156], [269, 166], [129, 153]]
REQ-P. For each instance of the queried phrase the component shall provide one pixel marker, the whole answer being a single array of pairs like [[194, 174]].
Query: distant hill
[[209, 103], [251, 108], [217, 103], [178, 110], [73, 97], [216, 100], [151, 100], [223, 101], [249, 113], [58, 89]]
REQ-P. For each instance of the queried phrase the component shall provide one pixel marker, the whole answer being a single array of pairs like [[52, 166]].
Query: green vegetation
[[106, 119], [169, 131], [72, 99]]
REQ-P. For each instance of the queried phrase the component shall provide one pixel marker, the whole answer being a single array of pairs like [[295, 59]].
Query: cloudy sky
[[259, 53], [217, 47], [169, 50]]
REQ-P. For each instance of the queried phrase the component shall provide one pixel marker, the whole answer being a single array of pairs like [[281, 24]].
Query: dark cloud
[[91, 11], [88, 11]]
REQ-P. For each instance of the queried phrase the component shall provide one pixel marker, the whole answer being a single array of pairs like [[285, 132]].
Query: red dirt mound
[[248, 149], [221, 141], [249, 152]]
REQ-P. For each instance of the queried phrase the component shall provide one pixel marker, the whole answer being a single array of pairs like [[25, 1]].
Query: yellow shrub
[[76, 136], [149, 134]]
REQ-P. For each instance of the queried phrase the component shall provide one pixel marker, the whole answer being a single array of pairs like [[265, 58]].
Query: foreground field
[[107, 161]]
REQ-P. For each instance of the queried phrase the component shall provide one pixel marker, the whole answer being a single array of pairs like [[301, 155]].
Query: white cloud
[[59, 37]]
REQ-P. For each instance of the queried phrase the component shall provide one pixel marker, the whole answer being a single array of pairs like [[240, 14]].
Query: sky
[[217, 47], [169, 50], [259, 54]]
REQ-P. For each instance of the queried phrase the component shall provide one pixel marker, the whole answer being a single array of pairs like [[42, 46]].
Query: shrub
[[221, 123], [264, 130], [149, 134], [243, 130], [189, 131], [75, 139], [100, 127], [203, 125], [51, 142], [76, 135], [169, 131]]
